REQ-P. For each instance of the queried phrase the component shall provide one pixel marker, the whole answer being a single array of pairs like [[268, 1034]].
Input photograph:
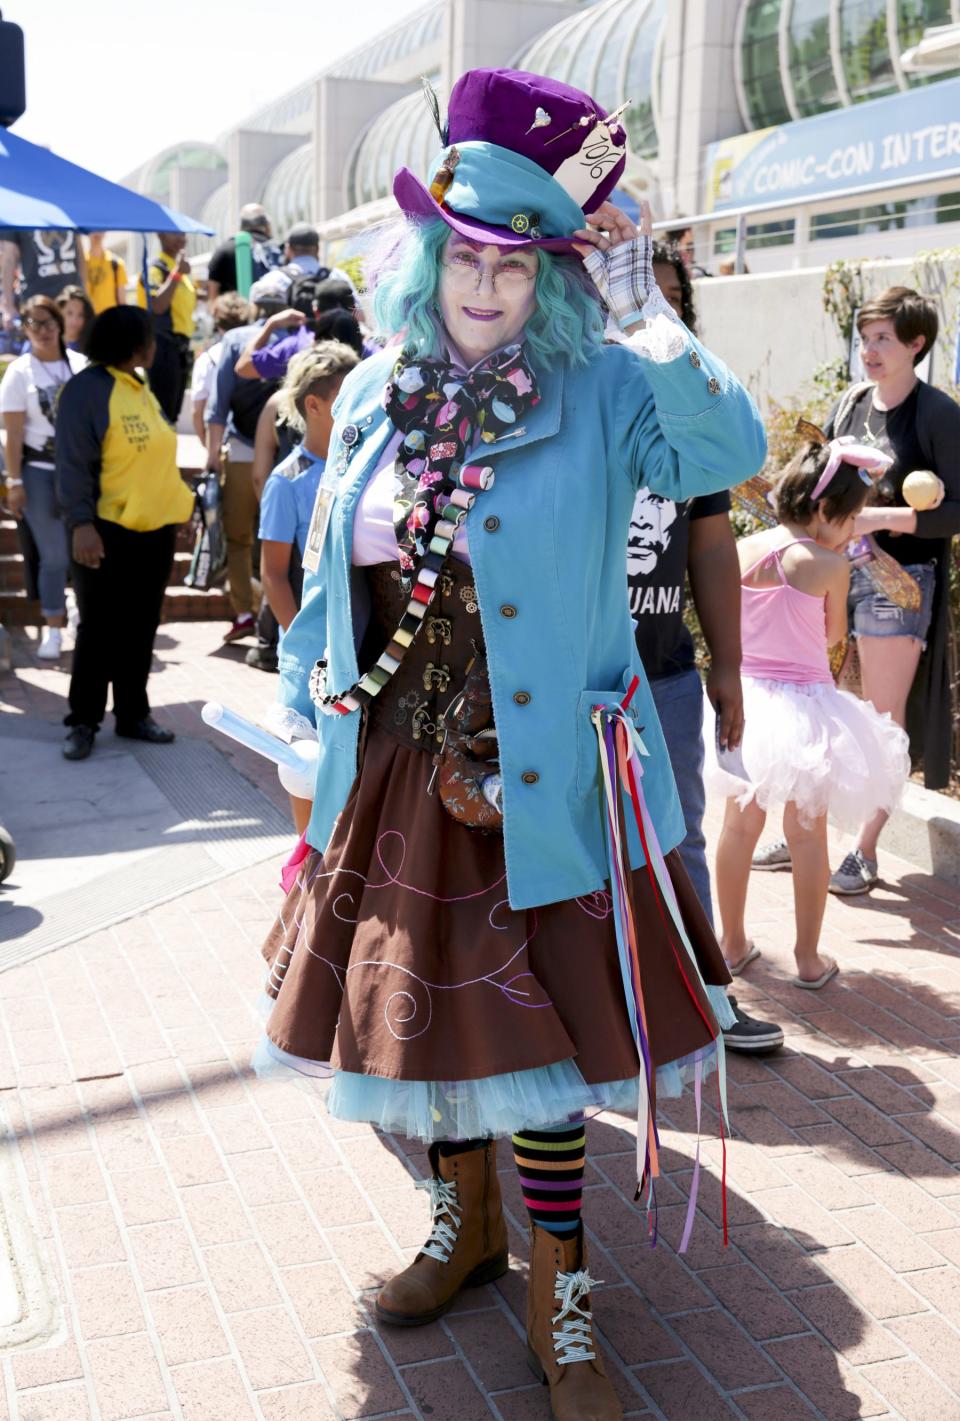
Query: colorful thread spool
[[476, 476]]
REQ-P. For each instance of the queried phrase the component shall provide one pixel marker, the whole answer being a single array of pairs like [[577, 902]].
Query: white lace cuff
[[664, 337]]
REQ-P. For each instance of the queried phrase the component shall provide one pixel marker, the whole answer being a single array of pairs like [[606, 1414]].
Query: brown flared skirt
[[397, 954]]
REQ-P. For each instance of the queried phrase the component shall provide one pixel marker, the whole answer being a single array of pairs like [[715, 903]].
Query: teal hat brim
[[496, 196]]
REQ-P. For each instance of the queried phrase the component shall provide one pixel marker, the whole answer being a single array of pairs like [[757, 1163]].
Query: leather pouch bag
[[468, 764]]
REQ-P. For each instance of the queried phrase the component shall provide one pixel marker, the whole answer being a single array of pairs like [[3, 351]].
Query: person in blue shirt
[[312, 384]]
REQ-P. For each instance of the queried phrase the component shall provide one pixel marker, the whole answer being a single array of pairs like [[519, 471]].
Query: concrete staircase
[[181, 604]]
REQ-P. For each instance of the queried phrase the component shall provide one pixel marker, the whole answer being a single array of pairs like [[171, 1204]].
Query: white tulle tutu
[[818, 746]]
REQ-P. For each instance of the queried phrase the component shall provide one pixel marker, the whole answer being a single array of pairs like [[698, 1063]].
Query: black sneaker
[[148, 730], [262, 659], [749, 1034], [79, 742]]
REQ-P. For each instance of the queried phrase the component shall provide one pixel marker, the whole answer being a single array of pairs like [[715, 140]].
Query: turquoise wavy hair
[[566, 327]]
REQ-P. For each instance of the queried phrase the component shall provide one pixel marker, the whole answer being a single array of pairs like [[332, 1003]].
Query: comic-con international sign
[[908, 136]]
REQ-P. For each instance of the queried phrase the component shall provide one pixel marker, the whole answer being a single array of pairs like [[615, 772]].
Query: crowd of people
[[54, 289]]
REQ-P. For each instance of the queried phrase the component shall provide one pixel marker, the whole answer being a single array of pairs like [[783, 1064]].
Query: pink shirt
[[784, 630], [374, 539]]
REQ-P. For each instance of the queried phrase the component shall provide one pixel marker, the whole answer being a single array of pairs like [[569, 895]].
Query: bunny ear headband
[[867, 460]]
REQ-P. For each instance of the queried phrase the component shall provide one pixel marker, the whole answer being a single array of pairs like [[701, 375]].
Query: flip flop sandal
[[817, 982], [744, 962]]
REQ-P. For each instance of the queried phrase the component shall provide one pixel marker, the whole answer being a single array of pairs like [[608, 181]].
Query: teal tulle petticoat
[[490, 1107]]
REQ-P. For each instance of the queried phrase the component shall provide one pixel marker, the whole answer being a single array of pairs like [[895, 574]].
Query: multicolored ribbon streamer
[[620, 748]]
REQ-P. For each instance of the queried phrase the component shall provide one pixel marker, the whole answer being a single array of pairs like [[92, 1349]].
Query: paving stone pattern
[[215, 1238]]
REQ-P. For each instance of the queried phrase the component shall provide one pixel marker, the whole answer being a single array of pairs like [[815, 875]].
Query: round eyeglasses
[[509, 277]]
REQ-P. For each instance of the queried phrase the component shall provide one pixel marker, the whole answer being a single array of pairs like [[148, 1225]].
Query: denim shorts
[[871, 613]]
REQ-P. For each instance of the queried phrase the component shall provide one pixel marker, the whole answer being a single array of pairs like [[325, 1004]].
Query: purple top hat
[[526, 157]]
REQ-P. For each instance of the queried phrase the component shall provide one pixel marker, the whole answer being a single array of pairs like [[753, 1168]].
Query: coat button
[[530, 777], [695, 360], [713, 385], [492, 523], [522, 698], [507, 610]]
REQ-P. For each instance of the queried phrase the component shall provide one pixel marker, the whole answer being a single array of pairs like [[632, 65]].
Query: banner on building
[[907, 136]]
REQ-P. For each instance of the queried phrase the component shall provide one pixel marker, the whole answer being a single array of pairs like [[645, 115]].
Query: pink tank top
[[784, 630]]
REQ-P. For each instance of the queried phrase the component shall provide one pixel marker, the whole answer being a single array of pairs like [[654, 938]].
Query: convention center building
[[786, 131]]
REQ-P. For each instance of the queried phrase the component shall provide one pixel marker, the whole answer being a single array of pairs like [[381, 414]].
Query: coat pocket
[[588, 768]]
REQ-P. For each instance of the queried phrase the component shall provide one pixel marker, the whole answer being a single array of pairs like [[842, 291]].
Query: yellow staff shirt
[[106, 276], [117, 455], [184, 300]]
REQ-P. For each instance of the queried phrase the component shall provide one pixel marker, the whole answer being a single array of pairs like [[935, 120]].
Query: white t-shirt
[[32, 387], [205, 373]]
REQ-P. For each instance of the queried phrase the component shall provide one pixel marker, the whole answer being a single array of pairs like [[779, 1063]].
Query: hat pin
[[541, 119], [587, 120], [591, 121]]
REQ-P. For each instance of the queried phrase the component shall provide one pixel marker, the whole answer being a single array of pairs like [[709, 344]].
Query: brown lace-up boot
[[467, 1245], [561, 1346]]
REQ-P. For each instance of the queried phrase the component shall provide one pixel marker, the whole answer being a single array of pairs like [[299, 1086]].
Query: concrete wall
[[342, 110], [252, 156], [190, 187], [698, 97], [772, 330]]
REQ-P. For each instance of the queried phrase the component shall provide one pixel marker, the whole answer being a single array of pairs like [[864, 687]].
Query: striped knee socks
[[550, 1163]]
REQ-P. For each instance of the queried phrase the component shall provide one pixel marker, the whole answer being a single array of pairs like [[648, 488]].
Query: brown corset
[[433, 671]]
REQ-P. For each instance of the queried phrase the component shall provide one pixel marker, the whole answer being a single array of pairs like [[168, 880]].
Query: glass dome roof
[[288, 194], [403, 135], [215, 213], [608, 48], [796, 58], [292, 111]]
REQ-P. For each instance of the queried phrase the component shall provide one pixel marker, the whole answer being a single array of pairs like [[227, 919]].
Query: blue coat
[[548, 547]]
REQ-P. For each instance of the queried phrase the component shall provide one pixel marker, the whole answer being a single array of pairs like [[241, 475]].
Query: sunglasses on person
[[32, 324]]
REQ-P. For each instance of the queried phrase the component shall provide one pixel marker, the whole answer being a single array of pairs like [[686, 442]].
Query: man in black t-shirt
[[264, 252], [669, 541]]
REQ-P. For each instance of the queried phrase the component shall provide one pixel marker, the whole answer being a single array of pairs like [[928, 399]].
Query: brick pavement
[[213, 1238]]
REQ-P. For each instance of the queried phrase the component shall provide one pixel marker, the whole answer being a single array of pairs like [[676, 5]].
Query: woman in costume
[[491, 932]]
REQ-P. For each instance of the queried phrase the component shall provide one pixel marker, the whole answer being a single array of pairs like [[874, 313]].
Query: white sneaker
[[772, 856], [51, 644]]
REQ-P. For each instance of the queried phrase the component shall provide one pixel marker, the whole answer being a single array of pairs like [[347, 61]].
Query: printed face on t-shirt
[[649, 539]]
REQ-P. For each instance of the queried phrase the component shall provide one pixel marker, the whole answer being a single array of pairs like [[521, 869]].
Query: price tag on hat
[[581, 174]]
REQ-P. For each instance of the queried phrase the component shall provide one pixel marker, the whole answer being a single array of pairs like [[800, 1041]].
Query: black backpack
[[303, 288], [246, 403]]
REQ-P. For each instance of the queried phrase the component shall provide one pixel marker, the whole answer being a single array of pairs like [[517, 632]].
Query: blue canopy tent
[[40, 190]]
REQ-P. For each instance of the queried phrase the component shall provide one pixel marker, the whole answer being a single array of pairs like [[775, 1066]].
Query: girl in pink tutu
[[807, 746]]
